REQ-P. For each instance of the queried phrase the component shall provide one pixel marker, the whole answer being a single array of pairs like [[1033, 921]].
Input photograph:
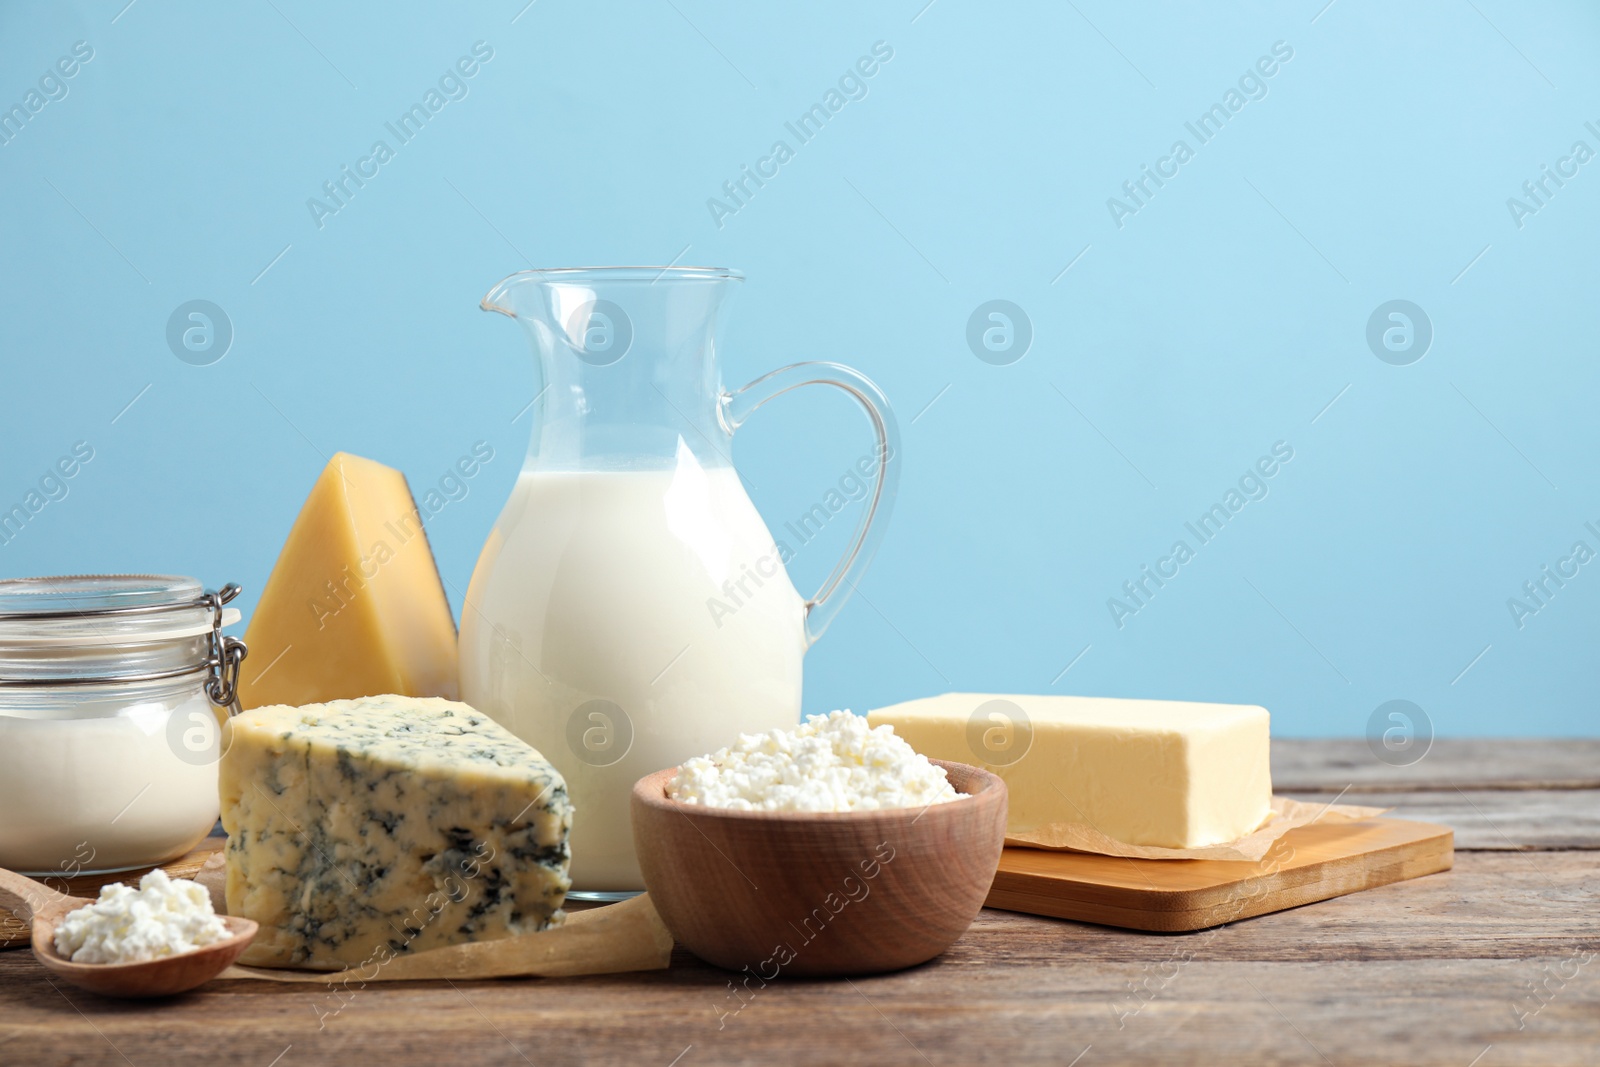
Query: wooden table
[[1495, 962]]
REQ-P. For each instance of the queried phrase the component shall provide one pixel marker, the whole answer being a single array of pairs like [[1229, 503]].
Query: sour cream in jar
[[109, 735]]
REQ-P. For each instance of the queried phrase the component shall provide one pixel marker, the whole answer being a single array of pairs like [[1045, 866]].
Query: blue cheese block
[[360, 830]]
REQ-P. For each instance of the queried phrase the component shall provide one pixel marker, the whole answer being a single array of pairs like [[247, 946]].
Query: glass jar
[[113, 690]]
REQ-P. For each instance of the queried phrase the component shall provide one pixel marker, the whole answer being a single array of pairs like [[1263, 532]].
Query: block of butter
[[1144, 772]]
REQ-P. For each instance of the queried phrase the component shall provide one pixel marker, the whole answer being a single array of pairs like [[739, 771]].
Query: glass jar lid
[[102, 628], [103, 607]]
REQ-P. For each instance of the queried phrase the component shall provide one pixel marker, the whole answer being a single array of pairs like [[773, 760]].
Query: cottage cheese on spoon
[[163, 917], [834, 762]]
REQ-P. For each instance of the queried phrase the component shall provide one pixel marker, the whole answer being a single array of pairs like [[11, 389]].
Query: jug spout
[[526, 293], [627, 361]]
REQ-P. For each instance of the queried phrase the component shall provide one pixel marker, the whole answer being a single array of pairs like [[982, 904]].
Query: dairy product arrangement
[[368, 819], [685, 533], [630, 663]]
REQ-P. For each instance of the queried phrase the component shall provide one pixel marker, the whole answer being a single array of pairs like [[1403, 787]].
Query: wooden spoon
[[46, 907]]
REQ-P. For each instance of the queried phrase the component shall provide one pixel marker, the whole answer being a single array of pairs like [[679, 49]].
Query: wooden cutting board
[[15, 933], [1307, 864]]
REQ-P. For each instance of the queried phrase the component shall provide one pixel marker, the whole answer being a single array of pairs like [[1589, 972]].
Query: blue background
[[1223, 317]]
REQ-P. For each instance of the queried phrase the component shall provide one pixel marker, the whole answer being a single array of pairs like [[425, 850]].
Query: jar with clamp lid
[[113, 689]]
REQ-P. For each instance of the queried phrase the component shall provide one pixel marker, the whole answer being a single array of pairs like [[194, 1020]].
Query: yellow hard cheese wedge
[[355, 606], [1144, 772]]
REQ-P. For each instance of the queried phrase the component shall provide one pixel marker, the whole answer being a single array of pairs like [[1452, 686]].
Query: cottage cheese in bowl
[[833, 848], [830, 763]]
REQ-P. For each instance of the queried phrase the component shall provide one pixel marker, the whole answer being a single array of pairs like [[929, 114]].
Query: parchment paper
[[1286, 815], [628, 936]]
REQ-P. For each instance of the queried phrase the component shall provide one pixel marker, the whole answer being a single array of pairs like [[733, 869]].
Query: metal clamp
[[227, 653]]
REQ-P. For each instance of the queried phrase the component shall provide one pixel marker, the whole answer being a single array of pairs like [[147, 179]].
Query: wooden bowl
[[825, 893]]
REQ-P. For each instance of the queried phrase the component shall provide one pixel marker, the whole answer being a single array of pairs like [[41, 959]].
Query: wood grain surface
[[1308, 864], [1494, 962], [1307, 766], [1486, 819]]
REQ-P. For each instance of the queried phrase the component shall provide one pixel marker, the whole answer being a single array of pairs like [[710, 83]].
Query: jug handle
[[738, 405]]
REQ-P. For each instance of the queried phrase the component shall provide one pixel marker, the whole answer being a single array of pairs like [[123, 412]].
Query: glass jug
[[630, 609]]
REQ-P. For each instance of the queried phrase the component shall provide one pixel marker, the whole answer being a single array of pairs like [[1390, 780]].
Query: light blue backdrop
[[1175, 339]]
